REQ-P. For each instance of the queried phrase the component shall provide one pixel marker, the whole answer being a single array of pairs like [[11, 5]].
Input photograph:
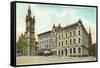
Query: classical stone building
[[44, 40], [71, 40]]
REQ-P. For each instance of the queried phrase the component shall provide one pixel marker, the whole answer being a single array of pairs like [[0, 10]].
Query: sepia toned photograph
[[54, 33]]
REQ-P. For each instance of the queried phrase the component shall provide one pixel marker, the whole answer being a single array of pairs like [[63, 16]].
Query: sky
[[47, 15]]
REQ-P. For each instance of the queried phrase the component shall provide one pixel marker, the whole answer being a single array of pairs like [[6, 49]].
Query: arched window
[[66, 35], [66, 42], [65, 51], [74, 40], [59, 43], [70, 50], [79, 32], [62, 36], [59, 52], [62, 52], [70, 41], [74, 50], [79, 50], [79, 39], [62, 43], [74, 33]]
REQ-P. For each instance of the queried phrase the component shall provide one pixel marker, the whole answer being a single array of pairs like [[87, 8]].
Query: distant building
[[90, 44], [72, 40], [44, 40]]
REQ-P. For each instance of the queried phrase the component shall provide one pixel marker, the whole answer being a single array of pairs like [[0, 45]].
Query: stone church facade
[[71, 40], [30, 33], [28, 38]]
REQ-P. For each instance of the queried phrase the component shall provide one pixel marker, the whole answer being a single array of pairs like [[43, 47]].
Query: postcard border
[[13, 33]]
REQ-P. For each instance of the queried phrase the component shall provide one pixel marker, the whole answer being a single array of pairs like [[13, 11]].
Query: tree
[[94, 49], [21, 45]]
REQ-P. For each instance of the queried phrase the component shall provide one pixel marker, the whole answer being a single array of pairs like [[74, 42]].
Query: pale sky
[[47, 15]]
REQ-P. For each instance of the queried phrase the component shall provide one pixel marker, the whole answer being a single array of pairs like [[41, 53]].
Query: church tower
[[30, 33], [90, 43]]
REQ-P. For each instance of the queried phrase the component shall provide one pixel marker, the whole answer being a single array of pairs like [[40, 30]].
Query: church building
[[30, 33]]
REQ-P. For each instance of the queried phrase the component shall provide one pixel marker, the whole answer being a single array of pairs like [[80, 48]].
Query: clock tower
[[30, 33]]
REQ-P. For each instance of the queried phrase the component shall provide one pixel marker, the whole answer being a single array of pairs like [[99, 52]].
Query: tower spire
[[80, 21], [29, 11], [89, 30], [90, 42], [30, 33], [53, 25]]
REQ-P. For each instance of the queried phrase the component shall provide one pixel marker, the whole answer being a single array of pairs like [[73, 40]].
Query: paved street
[[50, 59]]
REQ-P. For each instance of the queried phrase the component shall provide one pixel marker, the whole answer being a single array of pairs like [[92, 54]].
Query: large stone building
[[71, 40]]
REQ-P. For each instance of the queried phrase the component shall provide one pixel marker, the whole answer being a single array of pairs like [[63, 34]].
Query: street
[[27, 60]]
